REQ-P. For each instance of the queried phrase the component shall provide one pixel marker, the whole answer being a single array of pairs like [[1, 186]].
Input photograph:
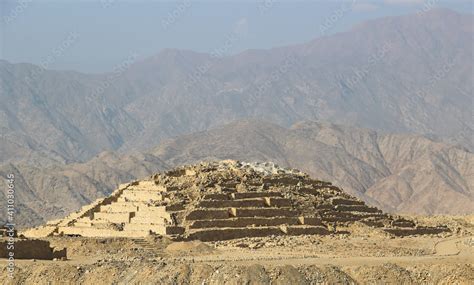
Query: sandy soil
[[274, 260]]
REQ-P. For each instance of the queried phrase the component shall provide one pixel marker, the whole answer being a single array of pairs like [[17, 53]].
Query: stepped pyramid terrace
[[224, 200]]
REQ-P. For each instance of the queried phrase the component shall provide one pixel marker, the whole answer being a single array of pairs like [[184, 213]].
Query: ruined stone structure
[[30, 249], [226, 200]]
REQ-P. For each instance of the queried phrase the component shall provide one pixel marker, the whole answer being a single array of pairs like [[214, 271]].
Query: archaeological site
[[227, 200], [236, 142]]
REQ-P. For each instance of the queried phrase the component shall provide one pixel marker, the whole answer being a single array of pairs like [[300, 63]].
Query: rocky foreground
[[365, 257]]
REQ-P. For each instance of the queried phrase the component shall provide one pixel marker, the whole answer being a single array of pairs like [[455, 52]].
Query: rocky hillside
[[408, 73], [398, 173]]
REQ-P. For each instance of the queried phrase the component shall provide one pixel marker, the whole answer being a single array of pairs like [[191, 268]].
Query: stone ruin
[[24, 248], [225, 200]]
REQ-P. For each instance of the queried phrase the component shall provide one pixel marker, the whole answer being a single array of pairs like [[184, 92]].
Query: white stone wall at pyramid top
[[268, 168]]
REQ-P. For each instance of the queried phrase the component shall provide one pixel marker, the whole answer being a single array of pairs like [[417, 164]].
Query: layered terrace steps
[[255, 222], [245, 203], [224, 200], [214, 234], [128, 215], [140, 196], [343, 201], [128, 231], [214, 214], [97, 232], [118, 217], [119, 207], [357, 208], [263, 212], [241, 195], [220, 216], [223, 206]]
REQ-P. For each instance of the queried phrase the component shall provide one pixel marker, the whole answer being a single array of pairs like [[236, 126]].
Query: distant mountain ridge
[[397, 74]]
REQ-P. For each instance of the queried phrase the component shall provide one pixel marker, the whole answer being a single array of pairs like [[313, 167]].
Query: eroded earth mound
[[225, 200]]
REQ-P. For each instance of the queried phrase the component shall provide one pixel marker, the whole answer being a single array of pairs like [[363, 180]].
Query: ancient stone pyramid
[[225, 200]]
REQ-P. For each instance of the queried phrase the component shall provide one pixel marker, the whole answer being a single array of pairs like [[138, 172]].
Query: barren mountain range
[[407, 74]]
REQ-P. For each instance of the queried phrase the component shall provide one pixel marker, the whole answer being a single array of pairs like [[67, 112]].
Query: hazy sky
[[94, 36]]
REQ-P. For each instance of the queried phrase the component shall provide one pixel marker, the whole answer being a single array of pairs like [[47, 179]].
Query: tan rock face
[[225, 200]]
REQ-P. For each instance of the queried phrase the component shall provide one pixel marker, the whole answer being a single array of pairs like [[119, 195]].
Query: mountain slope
[[397, 74], [50, 112], [409, 73]]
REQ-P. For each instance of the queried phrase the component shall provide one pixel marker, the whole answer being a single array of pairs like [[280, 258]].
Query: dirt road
[[452, 251]]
